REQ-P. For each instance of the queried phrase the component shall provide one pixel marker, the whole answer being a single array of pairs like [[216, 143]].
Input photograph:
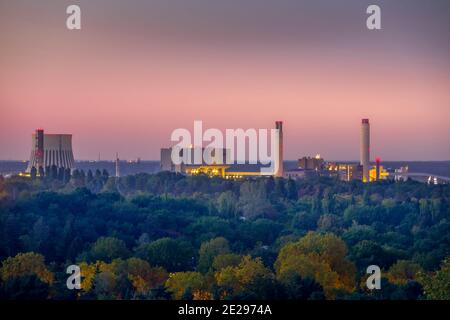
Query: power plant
[[51, 149], [56, 150], [223, 168]]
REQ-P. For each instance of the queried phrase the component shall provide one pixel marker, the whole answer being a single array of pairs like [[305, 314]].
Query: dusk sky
[[140, 69]]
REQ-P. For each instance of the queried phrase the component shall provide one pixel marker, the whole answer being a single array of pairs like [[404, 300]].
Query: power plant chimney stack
[[377, 168], [39, 148], [280, 171], [365, 149], [117, 166]]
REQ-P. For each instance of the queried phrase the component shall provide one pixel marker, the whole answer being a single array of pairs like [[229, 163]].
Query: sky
[[137, 70]]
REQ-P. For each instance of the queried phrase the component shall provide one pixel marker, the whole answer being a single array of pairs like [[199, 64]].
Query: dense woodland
[[169, 236]]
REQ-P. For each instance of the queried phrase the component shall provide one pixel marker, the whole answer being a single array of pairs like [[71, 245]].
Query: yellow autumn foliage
[[23, 264], [321, 257]]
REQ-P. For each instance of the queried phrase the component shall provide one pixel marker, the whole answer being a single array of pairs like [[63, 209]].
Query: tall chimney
[[117, 166], [365, 149], [280, 171], [377, 168], [39, 148]]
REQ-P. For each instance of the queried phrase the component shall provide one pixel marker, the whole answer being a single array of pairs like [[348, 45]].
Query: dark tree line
[[167, 236]]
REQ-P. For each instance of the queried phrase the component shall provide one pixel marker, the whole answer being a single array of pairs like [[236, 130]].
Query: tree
[[105, 175], [327, 202], [26, 287], [320, 257], [316, 208], [33, 173], [292, 192], [437, 285], [227, 204], [54, 172], [67, 175], [226, 260], [280, 188], [330, 223], [209, 250], [61, 173], [298, 288], [180, 283], [366, 253], [89, 176], [108, 249], [41, 172], [270, 185], [253, 200], [144, 277], [98, 174], [173, 255], [403, 271], [26, 264], [235, 281]]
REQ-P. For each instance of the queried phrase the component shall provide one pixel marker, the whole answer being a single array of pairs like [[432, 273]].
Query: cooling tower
[[51, 149], [365, 149]]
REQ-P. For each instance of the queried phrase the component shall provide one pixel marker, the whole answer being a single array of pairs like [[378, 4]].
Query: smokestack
[[117, 166], [377, 168], [280, 171], [39, 148], [365, 149]]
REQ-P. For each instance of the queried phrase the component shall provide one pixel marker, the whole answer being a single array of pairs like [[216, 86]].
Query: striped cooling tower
[[51, 149]]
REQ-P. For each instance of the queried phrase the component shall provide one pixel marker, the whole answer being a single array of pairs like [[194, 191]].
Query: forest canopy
[[170, 236]]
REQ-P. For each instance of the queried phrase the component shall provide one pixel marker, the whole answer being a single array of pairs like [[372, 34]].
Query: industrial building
[[51, 149], [221, 167], [311, 163], [307, 166]]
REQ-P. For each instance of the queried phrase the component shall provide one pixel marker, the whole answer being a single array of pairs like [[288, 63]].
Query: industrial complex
[[307, 166], [50, 150], [55, 150]]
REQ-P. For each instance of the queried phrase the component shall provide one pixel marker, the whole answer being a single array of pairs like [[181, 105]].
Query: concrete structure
[[280, 171], [166, 163], [365, 149], [346, 171], [401, 174], [51, 149], [377, 168], [220, 164], [117, 166], [309, 163]]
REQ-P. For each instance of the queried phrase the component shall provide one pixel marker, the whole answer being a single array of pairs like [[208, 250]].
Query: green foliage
[[108, 249], [437, 285], [163, 223], [171, 254], [320, 257], [209, 250]]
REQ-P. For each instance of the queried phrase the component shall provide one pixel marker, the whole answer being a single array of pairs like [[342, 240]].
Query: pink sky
[[122, 92]]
